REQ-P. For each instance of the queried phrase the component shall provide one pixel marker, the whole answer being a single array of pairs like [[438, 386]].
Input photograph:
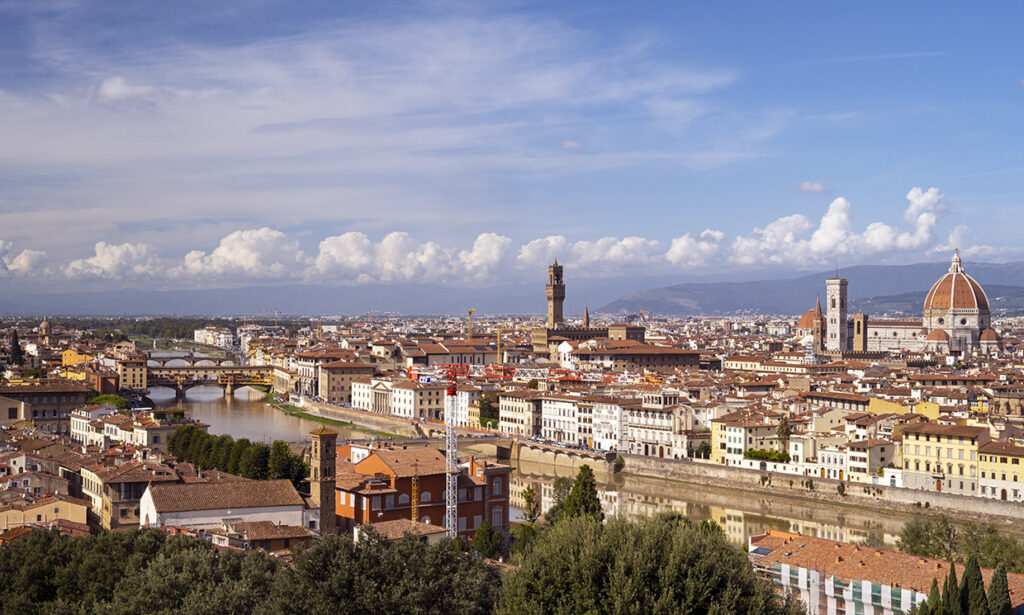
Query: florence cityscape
[[511, 307]]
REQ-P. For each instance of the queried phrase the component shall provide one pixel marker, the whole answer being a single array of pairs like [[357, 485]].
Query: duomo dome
[[958, 305]]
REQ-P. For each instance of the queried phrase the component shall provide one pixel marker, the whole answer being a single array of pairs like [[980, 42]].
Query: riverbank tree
[[936, 537], [253, 460], [664, 564]]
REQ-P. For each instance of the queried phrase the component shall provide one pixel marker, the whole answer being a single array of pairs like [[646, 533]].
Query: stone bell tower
[[555, 291], [321, 476]]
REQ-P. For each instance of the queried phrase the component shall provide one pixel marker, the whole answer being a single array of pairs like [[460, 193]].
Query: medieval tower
[[555, 291], [836, 327], [321, 477]]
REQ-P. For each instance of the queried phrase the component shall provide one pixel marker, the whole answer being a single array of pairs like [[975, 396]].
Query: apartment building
[[1001, 465], [942, 457], [519, 412]]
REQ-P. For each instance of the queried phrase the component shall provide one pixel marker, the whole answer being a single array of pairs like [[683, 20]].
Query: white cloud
[[116, 261], [690, 251], [813, 187], [572, 145], [490, 250], [262, 253], [492, 258], [118, 89], [29, 263], [782, 241], [541, 252]]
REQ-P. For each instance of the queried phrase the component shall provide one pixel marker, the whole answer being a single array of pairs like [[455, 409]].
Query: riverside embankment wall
[[882, 496], [369, 420]]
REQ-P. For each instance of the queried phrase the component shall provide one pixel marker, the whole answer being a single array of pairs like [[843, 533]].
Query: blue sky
[[182, 145]]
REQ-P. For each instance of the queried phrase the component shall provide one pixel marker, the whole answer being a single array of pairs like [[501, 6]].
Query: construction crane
[[415, 493], [469, 326], [499, 332], [451, 448]]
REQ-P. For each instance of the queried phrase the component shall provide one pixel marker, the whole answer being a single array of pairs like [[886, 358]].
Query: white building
[[214, 336], [559, 418], [208, 504]]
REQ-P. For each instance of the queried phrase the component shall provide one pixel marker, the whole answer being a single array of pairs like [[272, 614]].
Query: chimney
[[839, 559]]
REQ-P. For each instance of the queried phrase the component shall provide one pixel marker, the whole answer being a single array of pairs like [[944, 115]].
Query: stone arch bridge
[[228, 377]]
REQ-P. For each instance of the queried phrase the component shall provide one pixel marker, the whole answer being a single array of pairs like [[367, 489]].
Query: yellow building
[[1002, 469], [473, 416], [943, 457], [929, 409], [877, 405], [72, 357], [42, 511], [132, 373]]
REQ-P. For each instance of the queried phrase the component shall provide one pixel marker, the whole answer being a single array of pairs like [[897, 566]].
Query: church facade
[[955, 320]]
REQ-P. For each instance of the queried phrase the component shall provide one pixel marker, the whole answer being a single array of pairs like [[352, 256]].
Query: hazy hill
[[873, 289]]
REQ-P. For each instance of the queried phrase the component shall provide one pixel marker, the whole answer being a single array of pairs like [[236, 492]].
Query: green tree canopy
[[583, 500], [16, 353], [487, 540], [999, 593], [119, 402], [661, 565]]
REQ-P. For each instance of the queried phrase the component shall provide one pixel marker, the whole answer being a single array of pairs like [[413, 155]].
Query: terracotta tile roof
[[408, 462], [852, 562], [137, 472], [234, 495], [397, 528], [267, 530], [945, 430]]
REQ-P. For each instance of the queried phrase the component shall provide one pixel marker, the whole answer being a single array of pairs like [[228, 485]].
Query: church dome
[[937, 335], [956, 290], [806, 321], [988, 335]]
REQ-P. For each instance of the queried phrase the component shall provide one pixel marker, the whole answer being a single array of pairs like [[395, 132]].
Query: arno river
[[740, 513]]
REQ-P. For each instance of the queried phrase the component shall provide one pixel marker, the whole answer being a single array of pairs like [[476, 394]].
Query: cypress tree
[[999, 593], [934, 604], [972, 589], [17, 354], [952, 605], [583, 500]]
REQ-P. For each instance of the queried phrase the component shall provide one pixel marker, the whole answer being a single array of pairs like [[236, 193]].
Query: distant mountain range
[[310, 300], [874, 289]]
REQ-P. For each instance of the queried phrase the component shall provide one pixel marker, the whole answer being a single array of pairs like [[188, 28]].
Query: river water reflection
[[242, 415], [740, 513]]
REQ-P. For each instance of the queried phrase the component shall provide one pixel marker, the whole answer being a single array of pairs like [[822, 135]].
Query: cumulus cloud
[[958, 239], [396, 258], [572, 145], [542, 251], [690, 251], [248, 254], [782, 241], [489, 251], [813, 187], [354, 258], [116, 261], [26, 263]]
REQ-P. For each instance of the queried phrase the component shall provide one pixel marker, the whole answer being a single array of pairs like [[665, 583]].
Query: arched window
[[425, 497], [425, 519], [403, 499]]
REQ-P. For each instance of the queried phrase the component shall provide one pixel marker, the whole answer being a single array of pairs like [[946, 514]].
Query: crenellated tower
[[555, 292]]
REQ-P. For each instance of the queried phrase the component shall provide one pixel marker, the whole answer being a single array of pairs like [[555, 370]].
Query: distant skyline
[[190, 145]]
